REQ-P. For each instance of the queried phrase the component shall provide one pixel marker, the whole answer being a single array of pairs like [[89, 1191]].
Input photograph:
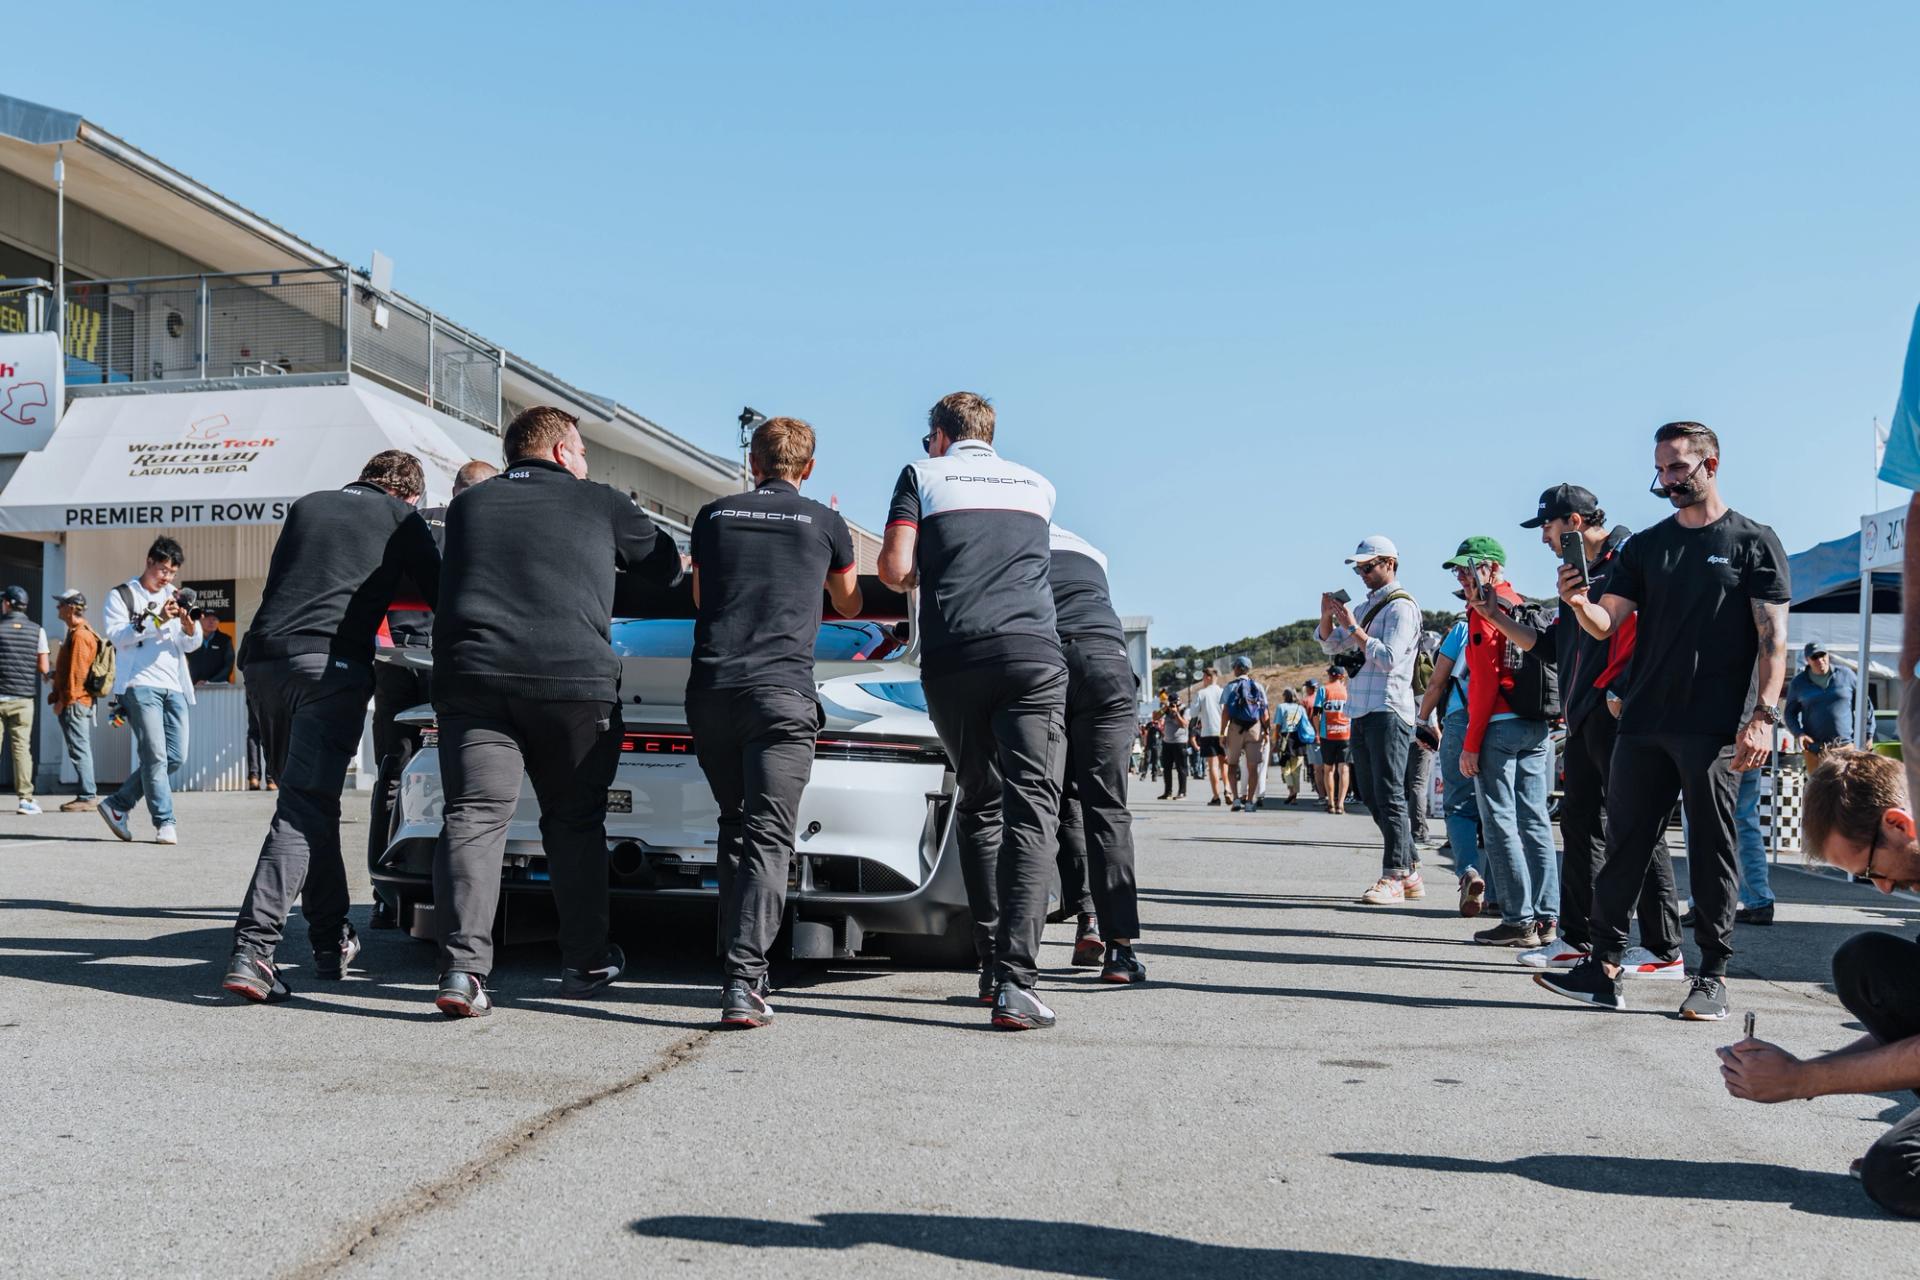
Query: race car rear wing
[[633, 599]]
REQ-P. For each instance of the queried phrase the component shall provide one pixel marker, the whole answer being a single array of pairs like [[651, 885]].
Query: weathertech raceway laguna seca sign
[[200, 458]]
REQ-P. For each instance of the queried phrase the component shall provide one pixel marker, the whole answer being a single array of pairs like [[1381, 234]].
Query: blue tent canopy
[[1826, 579]]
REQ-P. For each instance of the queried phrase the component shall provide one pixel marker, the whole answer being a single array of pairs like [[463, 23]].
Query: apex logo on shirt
[[1718, 560]]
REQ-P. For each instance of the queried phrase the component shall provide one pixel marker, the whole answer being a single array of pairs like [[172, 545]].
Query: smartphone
[[1749, 1024], [1342, 596], [1573, 552]]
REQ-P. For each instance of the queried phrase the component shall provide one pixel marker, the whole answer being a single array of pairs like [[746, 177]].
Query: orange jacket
[[70, 667]]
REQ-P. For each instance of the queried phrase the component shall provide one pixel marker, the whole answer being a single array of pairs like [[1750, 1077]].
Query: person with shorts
[[1336, 734]]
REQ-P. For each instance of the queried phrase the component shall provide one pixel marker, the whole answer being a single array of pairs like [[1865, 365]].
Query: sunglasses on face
[[1365, 567], [1871, 850]]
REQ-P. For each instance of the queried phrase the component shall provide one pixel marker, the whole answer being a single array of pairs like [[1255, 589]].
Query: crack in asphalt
[[453, 1187]]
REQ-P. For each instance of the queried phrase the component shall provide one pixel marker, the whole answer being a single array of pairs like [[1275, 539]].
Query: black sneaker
[[1707, 1002], [384, 916], [1690, 919], [1522, 936], [462, 995], [1122, 966], [1232, 804], [577, 984], [1754, 915], [1214, 801], [1087, 948], [331, 966], [986, 983], [1016, 1008], [255, 979], [745, 1003], [1586, 982]]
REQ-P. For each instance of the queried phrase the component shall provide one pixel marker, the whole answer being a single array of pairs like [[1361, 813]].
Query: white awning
[[187, 458]]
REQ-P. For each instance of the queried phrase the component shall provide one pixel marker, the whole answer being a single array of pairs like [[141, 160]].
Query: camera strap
[[1382, 603]]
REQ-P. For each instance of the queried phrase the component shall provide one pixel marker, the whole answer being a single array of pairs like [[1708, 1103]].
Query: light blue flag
[[1901, 466]]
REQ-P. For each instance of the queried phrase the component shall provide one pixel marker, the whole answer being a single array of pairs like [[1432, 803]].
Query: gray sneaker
[[1016, 1008], [116, 821], [1522, 936], [1707, 1002]]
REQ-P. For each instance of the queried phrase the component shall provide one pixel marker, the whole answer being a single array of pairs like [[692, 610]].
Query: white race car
[[875, 866]]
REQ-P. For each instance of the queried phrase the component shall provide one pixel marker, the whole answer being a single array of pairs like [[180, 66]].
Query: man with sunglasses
[[969, 529], [1711, 588], [1856, 816], [1386, 634]]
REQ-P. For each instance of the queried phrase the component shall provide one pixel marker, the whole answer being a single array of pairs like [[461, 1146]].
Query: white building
[[212, 367]]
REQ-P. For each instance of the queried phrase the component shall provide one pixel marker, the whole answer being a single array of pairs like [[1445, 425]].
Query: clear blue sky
[[1436, 256]]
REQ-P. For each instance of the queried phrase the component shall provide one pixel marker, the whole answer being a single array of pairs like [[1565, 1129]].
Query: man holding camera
[[539, 541], [969, 528], [1379, 646], [1173, 748], [1711, 588], [152, 633], [308, 662]]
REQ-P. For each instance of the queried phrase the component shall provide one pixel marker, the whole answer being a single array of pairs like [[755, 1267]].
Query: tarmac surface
[[1306, 1086]]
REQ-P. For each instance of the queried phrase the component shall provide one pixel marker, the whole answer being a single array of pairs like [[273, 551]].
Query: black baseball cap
[[1561, 501], [1814, 649]]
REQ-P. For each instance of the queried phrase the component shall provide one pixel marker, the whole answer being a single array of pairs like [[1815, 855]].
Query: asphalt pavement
[[1306, 1086]]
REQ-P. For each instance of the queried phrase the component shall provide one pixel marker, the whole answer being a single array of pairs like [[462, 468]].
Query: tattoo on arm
[[1770, 620]]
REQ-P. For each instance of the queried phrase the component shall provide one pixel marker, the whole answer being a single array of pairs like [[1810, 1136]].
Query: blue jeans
[[1516, 763], [76, 725], [1755, 891], [1460, 806], [158, 720]]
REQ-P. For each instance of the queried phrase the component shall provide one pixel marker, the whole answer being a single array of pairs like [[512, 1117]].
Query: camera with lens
[[1350, 661]]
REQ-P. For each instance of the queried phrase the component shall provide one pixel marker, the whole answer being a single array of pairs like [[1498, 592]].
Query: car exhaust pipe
[[629, 859]]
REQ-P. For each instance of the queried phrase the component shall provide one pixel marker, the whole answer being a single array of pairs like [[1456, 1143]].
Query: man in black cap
[[1591, 673]]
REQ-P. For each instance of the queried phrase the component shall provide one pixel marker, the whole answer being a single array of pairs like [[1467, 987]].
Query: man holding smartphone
[[1592, 672], [1711, 587]]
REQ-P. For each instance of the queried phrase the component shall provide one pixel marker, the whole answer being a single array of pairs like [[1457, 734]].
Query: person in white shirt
[[152, 634], [1208, 722]]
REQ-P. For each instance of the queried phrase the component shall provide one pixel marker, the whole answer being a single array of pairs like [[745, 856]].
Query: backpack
[[1245, 702], [1535, 694], [98, 681], [1422, 673]]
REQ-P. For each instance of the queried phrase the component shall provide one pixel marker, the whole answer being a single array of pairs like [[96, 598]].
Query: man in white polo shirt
[[1209, 726], [152, 635]]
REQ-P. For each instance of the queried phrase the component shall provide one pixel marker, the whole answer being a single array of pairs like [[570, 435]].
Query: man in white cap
[[1385, 637]]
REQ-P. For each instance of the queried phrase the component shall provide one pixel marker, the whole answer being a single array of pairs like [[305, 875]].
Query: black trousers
[[1877, 977], [1649, 770], [1004, 730], [397, 688], [1173, 762], [1381, 740], [1588, 761], [756, 747], [1096, 827], [570, 750], [310, 710]]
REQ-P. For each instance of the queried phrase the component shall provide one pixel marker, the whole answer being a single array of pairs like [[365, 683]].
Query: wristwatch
[[1761, 711]]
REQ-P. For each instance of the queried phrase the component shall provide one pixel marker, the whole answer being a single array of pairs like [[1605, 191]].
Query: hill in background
[[1282, 658]]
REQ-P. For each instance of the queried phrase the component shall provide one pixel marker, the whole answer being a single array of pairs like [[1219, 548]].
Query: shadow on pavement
[[1062, 1248], [1833, 1195]]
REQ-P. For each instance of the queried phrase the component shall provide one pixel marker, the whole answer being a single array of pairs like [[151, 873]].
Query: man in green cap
[[1512, 700]]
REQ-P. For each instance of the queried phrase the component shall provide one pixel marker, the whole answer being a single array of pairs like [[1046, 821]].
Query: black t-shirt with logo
[[1694, 652], [763, 559]]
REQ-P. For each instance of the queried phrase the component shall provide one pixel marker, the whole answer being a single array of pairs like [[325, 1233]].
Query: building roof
[[119, 181]]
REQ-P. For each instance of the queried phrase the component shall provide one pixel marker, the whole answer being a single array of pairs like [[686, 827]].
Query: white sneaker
[[1638, 962], [166, 835], [116, 821], [1555, 955], [27, 806]]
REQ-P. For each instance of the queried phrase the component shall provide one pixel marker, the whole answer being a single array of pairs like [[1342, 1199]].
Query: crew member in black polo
[[525, 680], [969, 528], [308, 662], [399, 686], [759, 561], [1096, 828]]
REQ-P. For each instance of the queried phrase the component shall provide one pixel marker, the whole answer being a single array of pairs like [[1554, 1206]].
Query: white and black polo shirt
[[1082, 601], [982, 556]]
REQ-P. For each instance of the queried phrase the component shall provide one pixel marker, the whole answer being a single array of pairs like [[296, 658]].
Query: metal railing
[[261, 325]]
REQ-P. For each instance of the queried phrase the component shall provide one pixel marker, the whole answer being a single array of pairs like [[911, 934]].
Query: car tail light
[[657, 744], [870, 749]]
